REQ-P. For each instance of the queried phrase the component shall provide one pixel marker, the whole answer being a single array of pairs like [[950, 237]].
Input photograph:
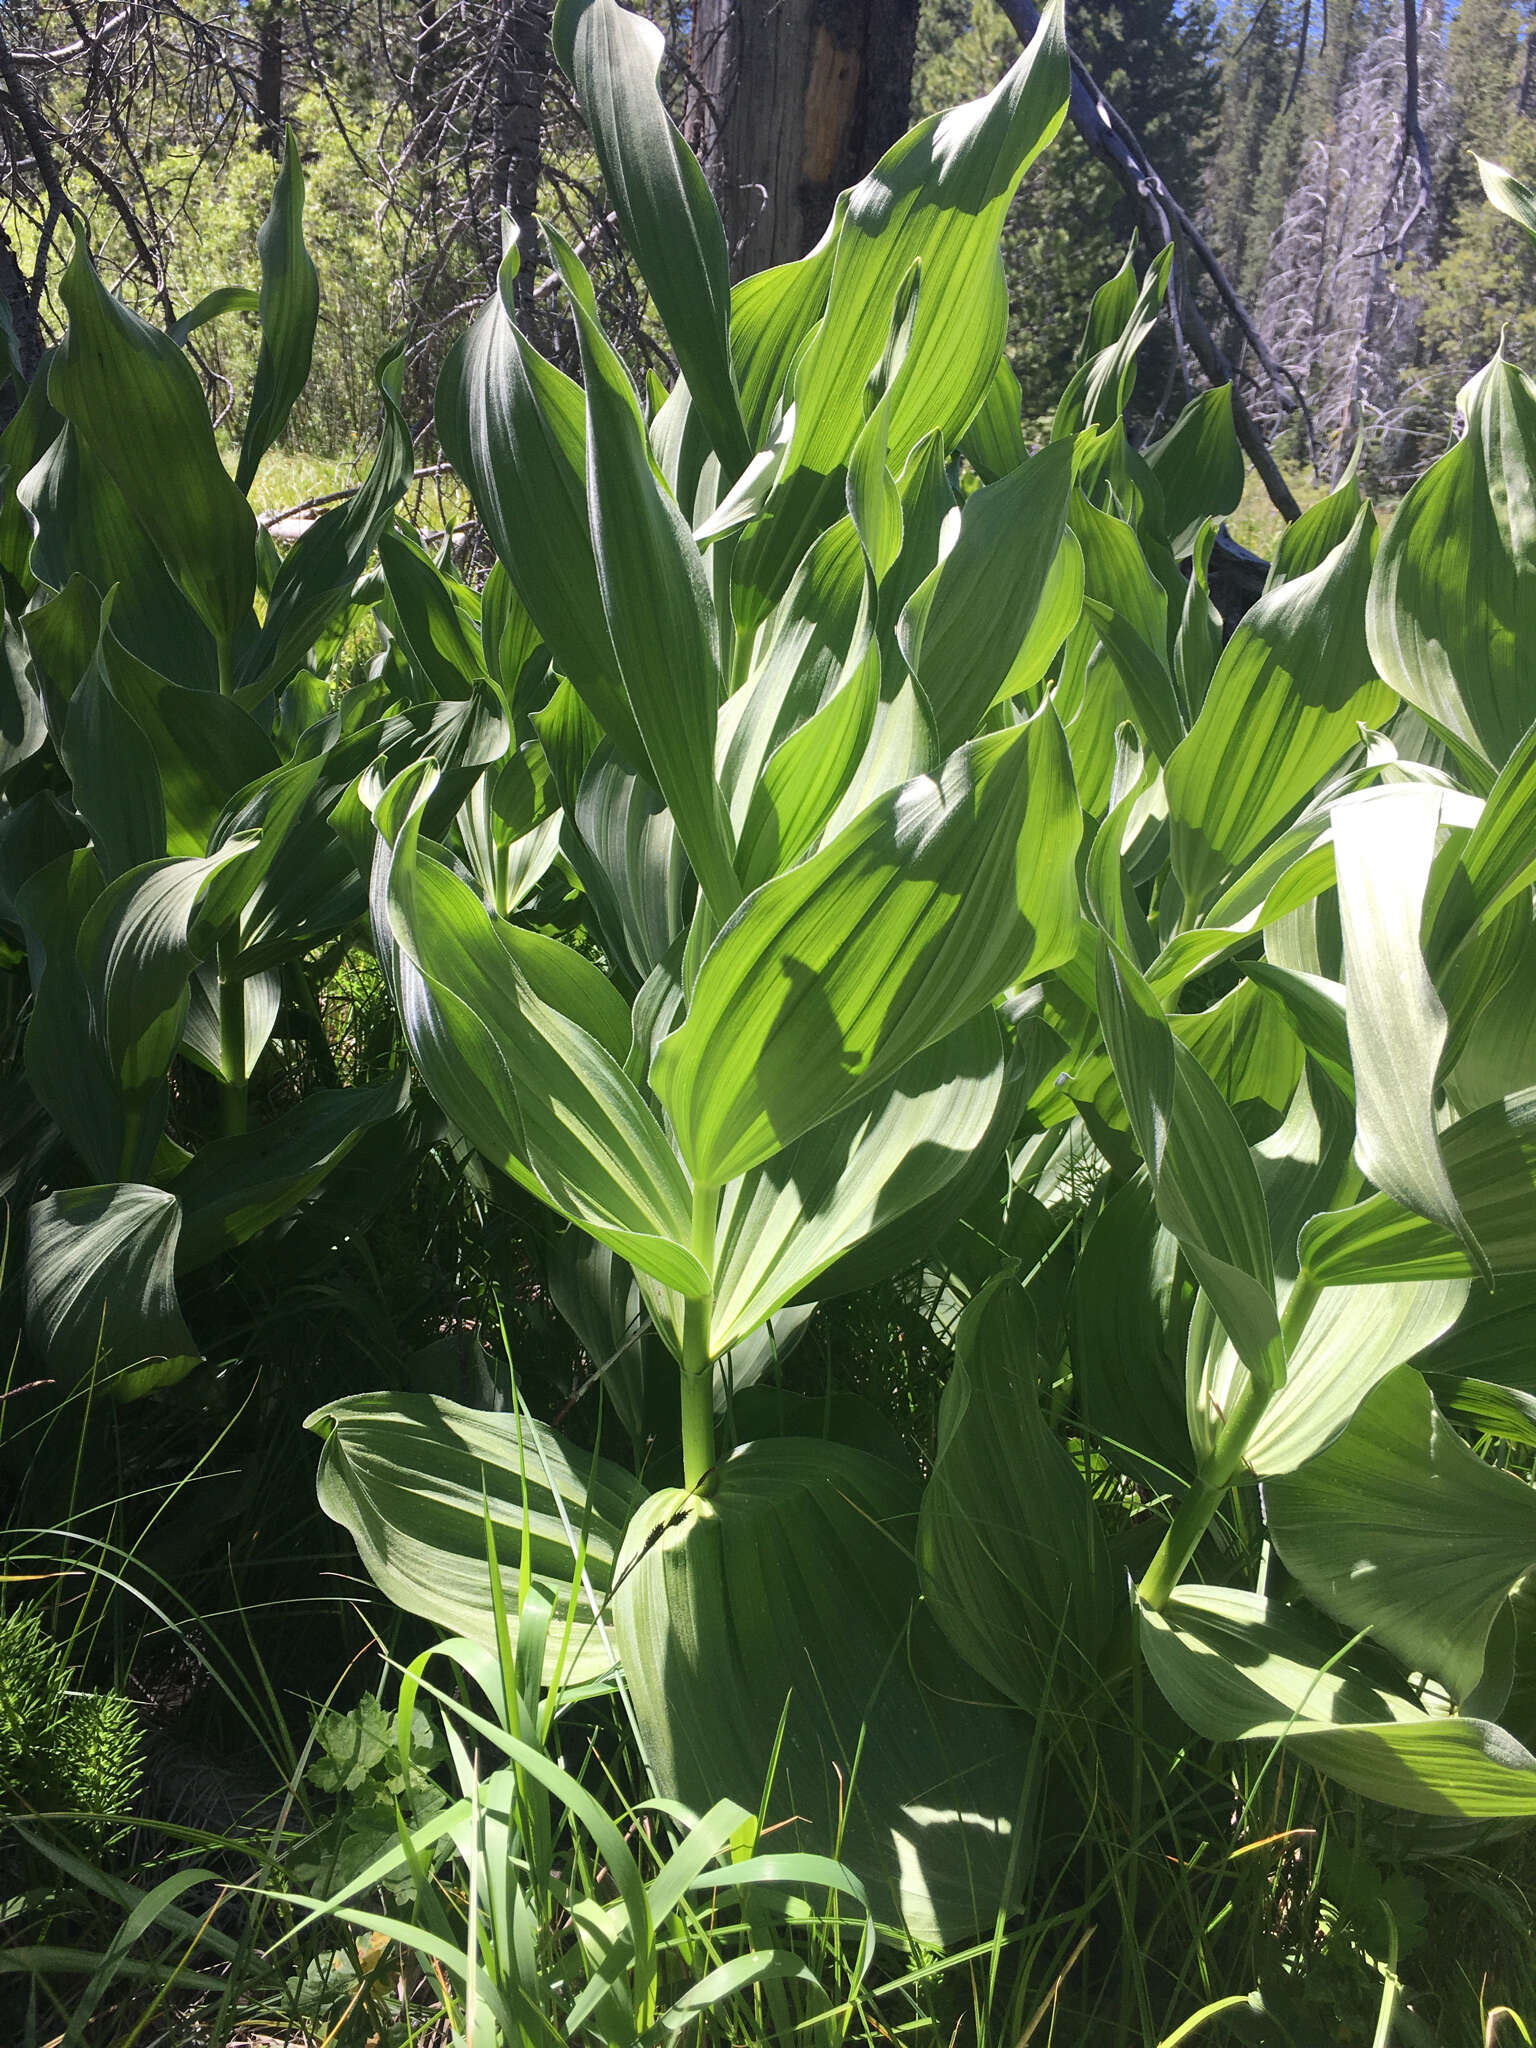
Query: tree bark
[[521, 68], [269, 77], [791, 101]]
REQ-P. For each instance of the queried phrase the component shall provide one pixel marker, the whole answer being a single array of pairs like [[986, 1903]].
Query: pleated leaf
[[791, 1584], [412, 1478], [135, 399], [1286, 702], [530, 1086], [895, 1150], [1453, 599], [1236, 1667], [101, 1288], [1398, 1529], [667, 215], [940, 896], [657, 599], [1384, 845], [966, 626], [287, 308], [1009, 1547]]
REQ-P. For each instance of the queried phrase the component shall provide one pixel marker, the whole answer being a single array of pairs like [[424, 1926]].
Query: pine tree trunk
[[269, 76], [792, 101], [24, 324], [521, 68]]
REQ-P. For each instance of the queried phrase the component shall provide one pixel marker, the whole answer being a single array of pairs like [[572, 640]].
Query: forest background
[[1276, 124]]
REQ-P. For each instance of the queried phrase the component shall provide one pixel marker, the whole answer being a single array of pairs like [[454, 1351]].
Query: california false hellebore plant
[[947, 870]]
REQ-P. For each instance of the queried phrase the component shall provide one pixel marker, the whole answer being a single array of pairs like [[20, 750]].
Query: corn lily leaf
[[1203, 1176], [288, 308], [667, 215], [772, 315], [937, 898], [1238, 1667], [514, 428], [1384, 845], [657, 599], [113, 775], [101, 1288], [442, 641], [1009, 1548], [1286, 702], [66, 1066], [631, 862], [1128, 609], [24, 441], [201, 1038], [938, 198], [133, 397], [785, 1594], [1453, 599], [510, 825], [414, 1480], [1353, 1339], [85, 527], [1199, 467], [962, 634], [1128, 1335], [1307, 542], [321, 569], [23, 724], [529, 1085], [994, 440], [787, 1221], [137, 949], [1120, 320], [224, 298], [1397, 1528], [1511, 195], [1490, 1160], [235, 1187]]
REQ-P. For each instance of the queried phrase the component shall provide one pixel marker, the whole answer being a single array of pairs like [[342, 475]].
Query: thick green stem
[[698, 1383], [231, 1038], [1199, 1505], [226, 667]]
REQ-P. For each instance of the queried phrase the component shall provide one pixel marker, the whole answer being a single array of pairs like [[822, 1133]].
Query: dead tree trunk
[[520, 67], [270, 110], [791, 100]]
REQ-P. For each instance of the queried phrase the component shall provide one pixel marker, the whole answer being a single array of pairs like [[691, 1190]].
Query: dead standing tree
[[791, 101]]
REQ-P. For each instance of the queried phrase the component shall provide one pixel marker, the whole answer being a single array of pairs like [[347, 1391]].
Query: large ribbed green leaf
[[964, 629], [531, 1086], [936, 899], [788, 1583], [1009, 1547], [656, 595], [1490, 1159], [1398, 1529], [1199, 466], [237, 1186], [101, 1288], [1509, 194], [321, 568], [938, 198], [1203, 1176], [1384, 845], [1453, 600], [1237, 1666], [134, 398], [514, 428], [1353, 1338], [288, 307], [86, 528], [414, 1479], [668, 218], [1286, 702], [788, 1220]]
